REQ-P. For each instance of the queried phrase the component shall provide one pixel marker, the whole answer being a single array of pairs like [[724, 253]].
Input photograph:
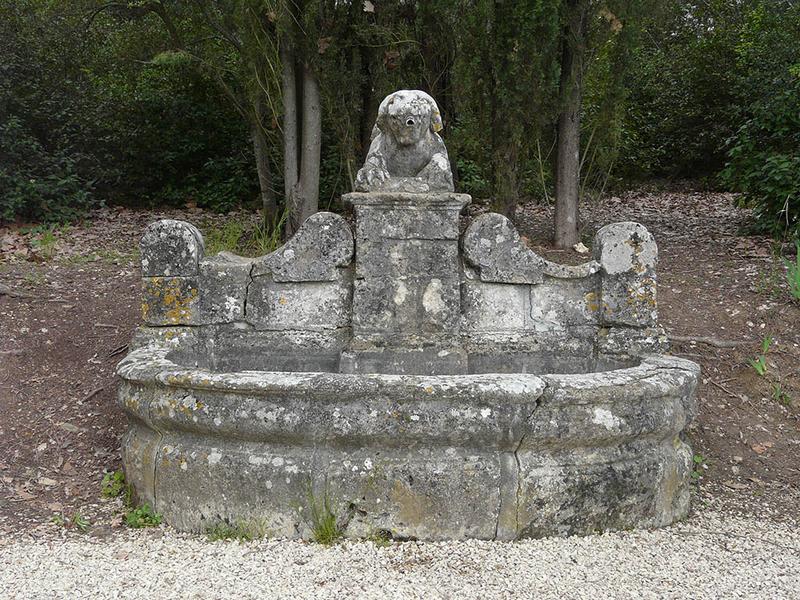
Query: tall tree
[[235, 42], [589, 28], [506, 73], [302, 125], [568, 154]]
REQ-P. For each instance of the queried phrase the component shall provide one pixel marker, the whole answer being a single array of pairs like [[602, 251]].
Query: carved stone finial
[[407, 154]]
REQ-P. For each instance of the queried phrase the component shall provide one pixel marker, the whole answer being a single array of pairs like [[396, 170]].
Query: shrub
[[764, 162]]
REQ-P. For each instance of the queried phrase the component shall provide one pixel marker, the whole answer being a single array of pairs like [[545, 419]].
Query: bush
[[764, 154]]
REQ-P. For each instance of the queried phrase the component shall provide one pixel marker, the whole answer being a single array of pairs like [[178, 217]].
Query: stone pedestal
[[406, 295]]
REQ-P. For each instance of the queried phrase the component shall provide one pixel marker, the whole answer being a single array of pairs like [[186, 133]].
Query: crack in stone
[[250, 279], [518, 498], [515, 453]]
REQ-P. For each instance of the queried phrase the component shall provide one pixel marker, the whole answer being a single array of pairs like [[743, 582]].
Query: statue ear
[[436, 116], [436, 119], [383, 112]]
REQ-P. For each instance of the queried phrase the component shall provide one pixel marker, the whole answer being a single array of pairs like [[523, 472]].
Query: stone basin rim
[[151, 365]]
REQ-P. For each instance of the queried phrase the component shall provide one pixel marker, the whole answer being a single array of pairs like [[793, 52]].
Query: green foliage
[[717, 91], [324, 525], [154, 103], [142, 516], [76, 521], [244, 531], [113, 484], [698, 466], [759, 363], [780, 395], [764, 162], [793, 274]]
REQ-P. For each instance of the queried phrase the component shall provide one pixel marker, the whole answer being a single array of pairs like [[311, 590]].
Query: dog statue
[[407, 154]]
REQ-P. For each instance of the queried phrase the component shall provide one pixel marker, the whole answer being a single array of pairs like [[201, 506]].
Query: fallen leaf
[[580, 248], [69, 427], [736, 486], [23, 495], [46, 481], [369, 6]]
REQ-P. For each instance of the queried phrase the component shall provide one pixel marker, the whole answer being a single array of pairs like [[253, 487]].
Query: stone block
[[494, 307], [374, 223], [223, 288], [628, 255], [556, 304], [309, 306], [171, 248], [399, 258], [406, 306]]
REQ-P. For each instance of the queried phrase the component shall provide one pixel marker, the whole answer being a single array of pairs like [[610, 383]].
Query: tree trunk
[[307, 201], [569, 125], [261, 152], [505, 147], [290, 126]]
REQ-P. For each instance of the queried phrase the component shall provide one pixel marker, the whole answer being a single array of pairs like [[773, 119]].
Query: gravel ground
[[715, 555]]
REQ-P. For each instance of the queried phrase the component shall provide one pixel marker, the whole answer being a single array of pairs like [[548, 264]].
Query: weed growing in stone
[[244, 531], [143, 516], [324, 525], [113, 484], [759, 363], [382, 538]]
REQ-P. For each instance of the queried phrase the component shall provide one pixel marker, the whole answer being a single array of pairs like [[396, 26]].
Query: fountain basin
[[486, 455]]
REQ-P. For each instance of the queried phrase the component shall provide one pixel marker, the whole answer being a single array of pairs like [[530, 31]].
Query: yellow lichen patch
[[132, 402], [636, 244], [168, 294], [592, 302]]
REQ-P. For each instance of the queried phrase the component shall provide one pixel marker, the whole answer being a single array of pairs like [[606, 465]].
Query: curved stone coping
[[493, 246], [503, 412], [323, 243], [151, 365], [560, 271]]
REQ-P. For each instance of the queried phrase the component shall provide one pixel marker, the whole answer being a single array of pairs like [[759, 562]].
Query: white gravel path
[[712, 556]]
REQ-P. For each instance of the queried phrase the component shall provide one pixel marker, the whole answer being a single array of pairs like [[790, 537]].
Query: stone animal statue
[[407, 154]]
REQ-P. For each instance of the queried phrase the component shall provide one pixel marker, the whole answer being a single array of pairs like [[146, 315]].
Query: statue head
[[408, 116]]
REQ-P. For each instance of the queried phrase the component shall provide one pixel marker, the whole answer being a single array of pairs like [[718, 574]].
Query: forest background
[[270, 104]]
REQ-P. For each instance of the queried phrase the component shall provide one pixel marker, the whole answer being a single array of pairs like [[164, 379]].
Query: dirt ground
[[69, 303]]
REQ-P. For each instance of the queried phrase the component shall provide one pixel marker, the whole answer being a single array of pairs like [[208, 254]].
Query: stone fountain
[[426, 383]]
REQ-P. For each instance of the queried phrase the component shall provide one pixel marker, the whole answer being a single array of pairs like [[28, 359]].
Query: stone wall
[[416, 299]]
